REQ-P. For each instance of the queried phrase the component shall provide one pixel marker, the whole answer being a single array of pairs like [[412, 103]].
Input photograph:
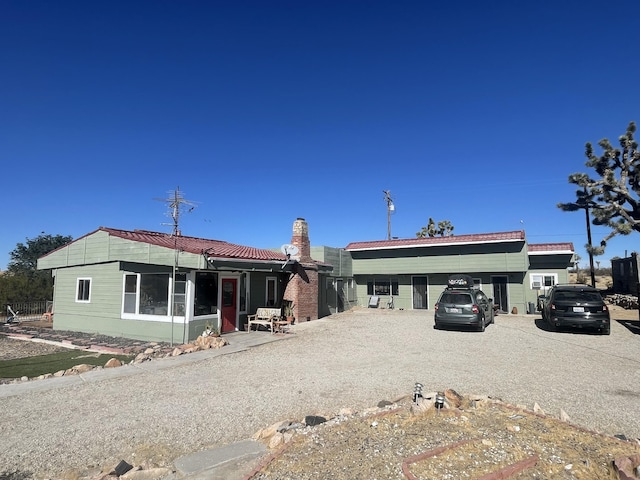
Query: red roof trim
[[498, 237], [549, 248]]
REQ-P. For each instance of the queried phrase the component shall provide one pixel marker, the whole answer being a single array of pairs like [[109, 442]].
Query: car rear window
[[456, 298], [578, 296]]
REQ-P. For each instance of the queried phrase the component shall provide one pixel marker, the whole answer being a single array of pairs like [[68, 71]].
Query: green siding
[[511, 257], [338, 258], [102, 314], [100, 247]]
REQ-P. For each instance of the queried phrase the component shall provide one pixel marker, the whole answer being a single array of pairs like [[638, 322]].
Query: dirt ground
[[12, 348], [480, 437], [603, 282]]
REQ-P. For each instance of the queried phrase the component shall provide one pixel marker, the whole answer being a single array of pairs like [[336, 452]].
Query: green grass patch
[[43, 364]]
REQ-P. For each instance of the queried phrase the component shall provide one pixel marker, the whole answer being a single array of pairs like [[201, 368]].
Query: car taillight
[[605, 308], [552, 306], [436, 306], [475, 309]]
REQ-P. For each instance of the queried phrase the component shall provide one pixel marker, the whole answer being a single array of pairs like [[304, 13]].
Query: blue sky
[[262, 112]]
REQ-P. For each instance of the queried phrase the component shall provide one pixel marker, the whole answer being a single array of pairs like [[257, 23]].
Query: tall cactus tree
[[613, 197]]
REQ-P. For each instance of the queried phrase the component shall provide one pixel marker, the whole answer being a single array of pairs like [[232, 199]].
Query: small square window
[[84, 290]]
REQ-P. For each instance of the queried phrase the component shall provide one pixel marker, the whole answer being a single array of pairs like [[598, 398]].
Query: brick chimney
[[303, 287]]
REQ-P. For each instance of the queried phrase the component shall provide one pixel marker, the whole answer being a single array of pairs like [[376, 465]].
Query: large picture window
[[154, 294], [148, 294], [382, 287], [206, 295]]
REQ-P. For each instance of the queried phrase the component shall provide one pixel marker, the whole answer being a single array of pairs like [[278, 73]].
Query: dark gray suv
[[577, 306], [462, 305]]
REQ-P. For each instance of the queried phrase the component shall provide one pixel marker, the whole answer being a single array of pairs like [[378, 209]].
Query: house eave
[[552, 252], [431, 245]]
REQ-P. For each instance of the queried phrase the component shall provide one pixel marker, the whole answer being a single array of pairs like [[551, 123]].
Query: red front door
[[229, 306]]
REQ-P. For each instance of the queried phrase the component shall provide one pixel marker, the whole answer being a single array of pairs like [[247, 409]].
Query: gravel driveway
[[353, 360]]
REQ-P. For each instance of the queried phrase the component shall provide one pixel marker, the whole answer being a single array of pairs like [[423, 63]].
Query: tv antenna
[[177, 205]]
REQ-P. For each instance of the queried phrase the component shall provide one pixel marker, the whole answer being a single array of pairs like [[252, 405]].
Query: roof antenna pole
[[175, 202], [390, 208]]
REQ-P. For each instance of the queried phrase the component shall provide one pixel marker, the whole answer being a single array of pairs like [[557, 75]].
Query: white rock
[[537, 409]]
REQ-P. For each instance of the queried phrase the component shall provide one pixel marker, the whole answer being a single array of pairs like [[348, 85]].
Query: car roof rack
[[461, 282]]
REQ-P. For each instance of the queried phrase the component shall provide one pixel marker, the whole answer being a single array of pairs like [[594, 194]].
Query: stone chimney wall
[[300, 239], [303, 287]]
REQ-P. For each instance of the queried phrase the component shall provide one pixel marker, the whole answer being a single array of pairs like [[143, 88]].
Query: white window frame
[[275, 291], [83, 279], [159, 318], [537, 280]]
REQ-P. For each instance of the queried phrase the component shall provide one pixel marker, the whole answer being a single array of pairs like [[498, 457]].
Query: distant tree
[[614, 198], [24, 258], [442, 229], [22, 281]]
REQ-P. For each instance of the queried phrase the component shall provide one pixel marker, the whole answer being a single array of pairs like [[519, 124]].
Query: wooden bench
[[264, 316]]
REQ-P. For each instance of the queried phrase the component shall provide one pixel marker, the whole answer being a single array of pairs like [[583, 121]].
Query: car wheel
[[483, 325]]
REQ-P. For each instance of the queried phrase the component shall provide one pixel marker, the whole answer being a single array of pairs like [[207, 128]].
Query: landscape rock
[[146, 474], [211, 342], [629, 302], [269, 431], [77, 369], [141, 357], [112, 363], [627, 467], [313, 420], [453, 397]]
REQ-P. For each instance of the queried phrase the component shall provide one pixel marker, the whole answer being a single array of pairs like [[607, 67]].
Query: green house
[[158, 287], [412, 272]]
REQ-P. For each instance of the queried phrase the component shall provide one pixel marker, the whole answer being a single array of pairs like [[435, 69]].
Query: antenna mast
[[177, 204], [390, 208]]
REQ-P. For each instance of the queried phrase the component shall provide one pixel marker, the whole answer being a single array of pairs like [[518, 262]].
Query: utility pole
[[390, 208]]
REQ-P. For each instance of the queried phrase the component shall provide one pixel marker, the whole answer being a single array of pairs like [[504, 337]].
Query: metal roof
[[199, 246], [551, 248], [479, 238]]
